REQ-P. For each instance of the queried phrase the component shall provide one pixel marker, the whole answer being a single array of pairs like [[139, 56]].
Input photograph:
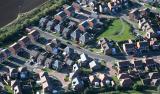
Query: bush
[[138, 87], [66, 79]]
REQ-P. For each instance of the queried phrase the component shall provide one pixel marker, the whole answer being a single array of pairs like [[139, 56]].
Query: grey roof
[[68, 50], [85, 37], [76, 34], [69, 62]]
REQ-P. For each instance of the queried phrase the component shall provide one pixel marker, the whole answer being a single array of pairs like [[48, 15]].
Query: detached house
[[154, 75], [34, 35], [150, 63], [76, 6], [41, 58], [66, 33], [126, 83], [13, 73], [50, 26], [85, 38], [134, 15], [23, 72], [95, 81], [57, 65], [129, 48], [77, 84], [4, 54], [76, 35], [48, 62], [60, 16], [69, 10], [94, 65], [155, 82], [138, 64], [123, 65], [15, 48], [83, 25], [43, 21], [143, 46], [49, 47], [24, 41], [105, 80]]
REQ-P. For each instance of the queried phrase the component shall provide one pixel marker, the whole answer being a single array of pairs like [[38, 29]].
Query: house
[[34, 35], [48, 62], [83, 26], [105, 80], [24, 73], [60, 16], [49, 46], [92, 22], [76, 35], [107, 50], [138, 64], [84, 60], [112, 7], [13, 73], [126, 83], [41, 58], [50, 26], [42, 74], [154, 44], [77, 84], [66, 33], [129, 48], [69, 62], [57, 65], [154, 75], [123, 76], [95, 81], [134, 15], [94, 65], [85, 38], [150, 63], [155, 82], [6, 53], [24, 41], [69, 10], [3, 56], [43, 21], [146, 82], [56, 42], [143, 46], [15, 48], [14, 83], [47, 86], [75, 68], [68, 51], [123, 65], [76, 6], [17, 90], [34, 54]]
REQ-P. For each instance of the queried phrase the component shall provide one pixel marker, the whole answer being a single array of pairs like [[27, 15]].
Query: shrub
[[66, 79]]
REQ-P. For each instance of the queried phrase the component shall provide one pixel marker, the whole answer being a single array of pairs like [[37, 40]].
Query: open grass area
[[118, 30]]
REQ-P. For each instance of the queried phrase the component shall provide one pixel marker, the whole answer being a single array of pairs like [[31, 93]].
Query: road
[[79, 50]]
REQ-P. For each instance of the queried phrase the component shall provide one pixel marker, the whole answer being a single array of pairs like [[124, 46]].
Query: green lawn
[[118, 30]]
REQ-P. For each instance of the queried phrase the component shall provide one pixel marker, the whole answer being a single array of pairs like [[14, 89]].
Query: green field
[[118, 30]]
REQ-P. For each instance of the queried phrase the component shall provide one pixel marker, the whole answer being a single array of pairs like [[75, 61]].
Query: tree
[[137, 87]]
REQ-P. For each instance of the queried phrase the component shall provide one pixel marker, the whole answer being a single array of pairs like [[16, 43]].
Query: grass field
[[118, 30]]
